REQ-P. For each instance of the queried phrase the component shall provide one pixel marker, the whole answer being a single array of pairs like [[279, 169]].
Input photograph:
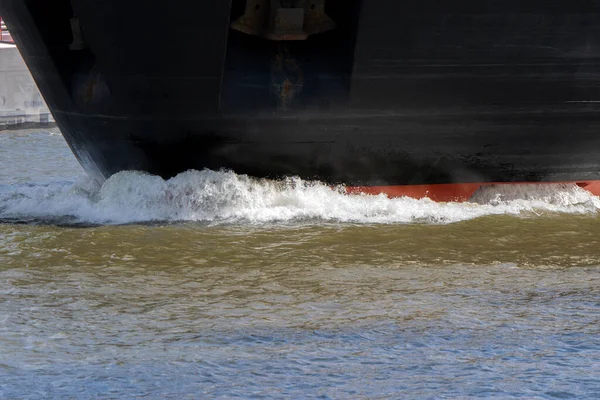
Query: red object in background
[[4, 33]]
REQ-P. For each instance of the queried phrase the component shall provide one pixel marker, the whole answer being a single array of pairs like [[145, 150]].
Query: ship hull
[[400, 93]]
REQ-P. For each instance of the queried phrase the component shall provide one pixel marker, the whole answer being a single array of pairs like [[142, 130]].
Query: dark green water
[[215, 285]]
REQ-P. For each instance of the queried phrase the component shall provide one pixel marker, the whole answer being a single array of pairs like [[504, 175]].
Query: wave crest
[[221, 196]]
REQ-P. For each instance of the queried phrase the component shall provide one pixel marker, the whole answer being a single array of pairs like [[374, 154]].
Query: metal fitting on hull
[[284, 19]]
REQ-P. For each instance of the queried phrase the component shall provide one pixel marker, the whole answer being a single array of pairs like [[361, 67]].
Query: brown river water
[[215, 285]]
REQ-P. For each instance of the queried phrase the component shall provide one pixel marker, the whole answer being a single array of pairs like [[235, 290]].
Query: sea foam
[[226, 197]]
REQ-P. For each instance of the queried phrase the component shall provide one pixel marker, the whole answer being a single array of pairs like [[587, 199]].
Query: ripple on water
[[218, 285], [282, 312]]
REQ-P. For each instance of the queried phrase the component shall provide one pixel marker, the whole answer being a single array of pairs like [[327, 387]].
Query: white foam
[[215, 197]]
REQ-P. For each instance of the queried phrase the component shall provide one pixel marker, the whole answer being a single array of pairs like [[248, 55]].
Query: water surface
[[217, 285]]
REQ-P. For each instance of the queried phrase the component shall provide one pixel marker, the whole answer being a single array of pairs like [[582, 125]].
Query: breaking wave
[[225, 197]]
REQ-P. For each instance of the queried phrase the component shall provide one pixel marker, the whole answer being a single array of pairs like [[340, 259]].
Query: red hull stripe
[[452, 191]]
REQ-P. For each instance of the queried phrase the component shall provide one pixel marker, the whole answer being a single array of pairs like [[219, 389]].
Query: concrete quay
[[20, 100]]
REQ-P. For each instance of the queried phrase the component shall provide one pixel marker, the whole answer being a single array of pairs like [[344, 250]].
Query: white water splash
[[130, 197]]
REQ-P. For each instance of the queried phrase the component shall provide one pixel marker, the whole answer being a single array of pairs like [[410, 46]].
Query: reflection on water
[[479, 308], [290, 291]]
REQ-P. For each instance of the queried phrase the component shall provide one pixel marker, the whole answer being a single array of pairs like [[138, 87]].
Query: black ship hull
[[399, 93]]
